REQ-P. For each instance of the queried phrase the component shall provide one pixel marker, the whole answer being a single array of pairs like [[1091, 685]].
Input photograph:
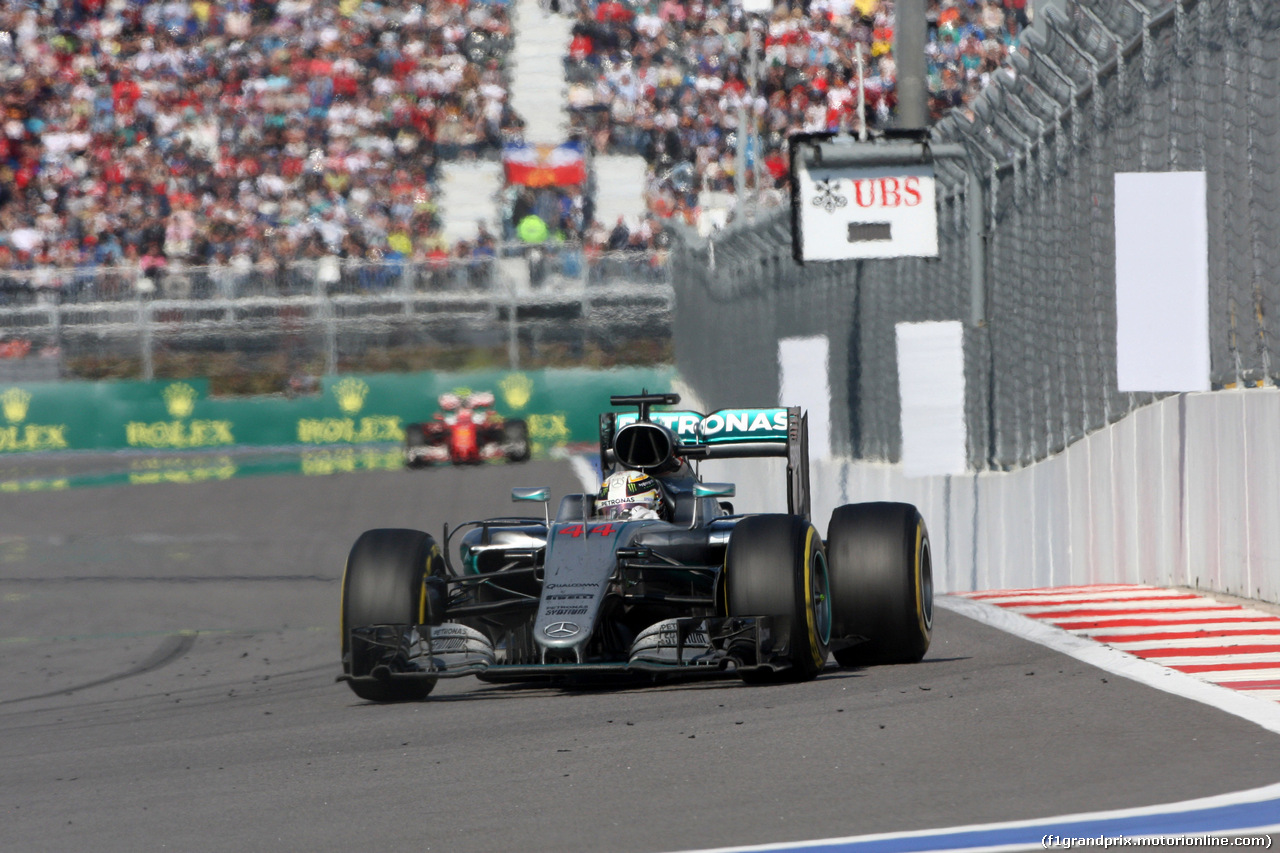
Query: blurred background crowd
[[245, 133]]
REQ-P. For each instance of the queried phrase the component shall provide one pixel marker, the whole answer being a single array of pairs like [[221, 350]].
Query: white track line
[[1166, 616], [1266, 695], [1199, 628], [1195, 642], [1128, 608], [1086, 598], [1055, 591], [1174, 659], [1229, 676]]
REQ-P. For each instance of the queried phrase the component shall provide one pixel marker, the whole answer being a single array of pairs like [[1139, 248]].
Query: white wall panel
[[1101, 491], [962, 533], [990, 533], [1200, 492], [1230, 464], [1262, 434], [1147, 497], [1124, 452], [1053, 521], [1079, 512], [1020, 554], [1158, 525]]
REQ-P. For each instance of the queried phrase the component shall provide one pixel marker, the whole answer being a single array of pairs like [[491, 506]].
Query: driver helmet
[[629, 495]]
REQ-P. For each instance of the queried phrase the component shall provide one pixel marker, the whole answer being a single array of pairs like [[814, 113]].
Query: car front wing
[[687, 646]]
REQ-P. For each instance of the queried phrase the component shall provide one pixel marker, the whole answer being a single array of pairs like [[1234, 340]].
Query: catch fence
[[1108, 86], [551, 306]]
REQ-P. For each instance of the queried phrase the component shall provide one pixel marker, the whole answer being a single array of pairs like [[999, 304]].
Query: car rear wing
[[727, 434]]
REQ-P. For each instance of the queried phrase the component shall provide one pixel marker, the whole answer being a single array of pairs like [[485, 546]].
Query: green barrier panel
[[161, 468], [560, 406]]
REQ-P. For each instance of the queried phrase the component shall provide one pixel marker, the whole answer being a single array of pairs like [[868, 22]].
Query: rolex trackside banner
[[560, 407]]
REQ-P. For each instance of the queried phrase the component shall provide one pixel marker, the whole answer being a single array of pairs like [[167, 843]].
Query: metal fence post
[[513, 332], [148, 356]]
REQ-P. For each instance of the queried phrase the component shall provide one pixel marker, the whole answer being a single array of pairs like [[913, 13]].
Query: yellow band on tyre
[[919, 586], [432, 556], [815, 643]]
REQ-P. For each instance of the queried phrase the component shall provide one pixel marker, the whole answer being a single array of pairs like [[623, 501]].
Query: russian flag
[[544, 166], [568, 165]]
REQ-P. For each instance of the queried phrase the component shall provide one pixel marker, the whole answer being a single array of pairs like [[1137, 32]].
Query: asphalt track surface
[[167, 664]]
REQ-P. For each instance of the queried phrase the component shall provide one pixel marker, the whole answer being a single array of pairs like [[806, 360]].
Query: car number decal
[[575, 530]]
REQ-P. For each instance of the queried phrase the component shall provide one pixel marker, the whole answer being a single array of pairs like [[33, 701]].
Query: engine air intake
[[644, 446]]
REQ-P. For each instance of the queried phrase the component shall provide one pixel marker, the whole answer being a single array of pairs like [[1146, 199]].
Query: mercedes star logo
[[561, 629]]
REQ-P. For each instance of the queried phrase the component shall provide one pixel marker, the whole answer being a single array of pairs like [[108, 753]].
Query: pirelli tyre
[[881, 573], [386, 583], [515, 440], [775, 565]]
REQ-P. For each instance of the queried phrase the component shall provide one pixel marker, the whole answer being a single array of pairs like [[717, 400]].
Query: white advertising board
[[1162, 282], [931, 387], [867, 212], [804, 381]]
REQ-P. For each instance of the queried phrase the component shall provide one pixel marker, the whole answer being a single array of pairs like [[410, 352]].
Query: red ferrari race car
[[466, 431]]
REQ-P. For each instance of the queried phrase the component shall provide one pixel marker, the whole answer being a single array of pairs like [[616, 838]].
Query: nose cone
[[580, 564]]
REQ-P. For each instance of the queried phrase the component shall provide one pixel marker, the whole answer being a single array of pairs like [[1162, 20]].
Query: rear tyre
[[881, 582], [775, 565], [385, 583], [414, 437], [515, 440]]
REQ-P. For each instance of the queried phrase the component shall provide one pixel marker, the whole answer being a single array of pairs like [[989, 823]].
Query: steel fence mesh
[[1108, 86]]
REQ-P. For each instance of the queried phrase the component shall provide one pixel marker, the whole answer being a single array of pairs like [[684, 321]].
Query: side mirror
[[714, 490], [534, 493], [709, 490], [540, 494]]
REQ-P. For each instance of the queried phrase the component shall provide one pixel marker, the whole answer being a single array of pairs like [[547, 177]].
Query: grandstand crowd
[[241, 132], [244, 133], [673, 80]]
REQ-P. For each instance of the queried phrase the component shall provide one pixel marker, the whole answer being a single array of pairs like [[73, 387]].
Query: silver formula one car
[[693, 589]]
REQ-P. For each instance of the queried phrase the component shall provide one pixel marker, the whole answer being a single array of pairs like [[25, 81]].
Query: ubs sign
[[867, 212]]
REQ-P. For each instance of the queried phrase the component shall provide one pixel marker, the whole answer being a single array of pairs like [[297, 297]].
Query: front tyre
[[881, 583], [515, 440], [776, 566], [414, 438], [385, 584]]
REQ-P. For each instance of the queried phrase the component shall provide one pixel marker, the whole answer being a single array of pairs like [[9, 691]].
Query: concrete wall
[[1183, 492]]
